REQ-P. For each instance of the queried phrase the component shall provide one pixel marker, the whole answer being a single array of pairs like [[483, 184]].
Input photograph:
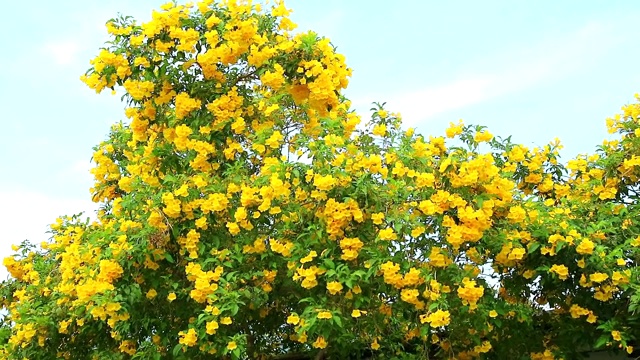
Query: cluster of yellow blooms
[[245, 210]]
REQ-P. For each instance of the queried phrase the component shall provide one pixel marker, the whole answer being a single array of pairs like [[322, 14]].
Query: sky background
[[535, 70]]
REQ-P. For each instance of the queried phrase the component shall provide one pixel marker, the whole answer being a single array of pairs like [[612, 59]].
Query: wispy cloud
[[63, 52], [422, 104], [508, 72]]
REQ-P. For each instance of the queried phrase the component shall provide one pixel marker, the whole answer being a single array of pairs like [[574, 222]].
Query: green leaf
[[234, 309], [176, 349], [337, 320], [602, 340], [329, 263]]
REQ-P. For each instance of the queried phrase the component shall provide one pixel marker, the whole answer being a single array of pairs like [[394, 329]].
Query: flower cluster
[[245, 212]]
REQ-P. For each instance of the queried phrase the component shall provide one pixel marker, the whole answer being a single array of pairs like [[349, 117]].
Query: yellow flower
[[517, 214], [151, 294], [577, 311], [201, 223], [128, 347], [561, 270], [586, 247], [189, 338], [274, 140], [324, 315], [320, 343], [357, 313], [334, 287], [375, 345], [226, 320], [410, 295], [493, 313], [185, 105], [482, 136], [171, 296], [454, 129], [470, 293], [380, 130], [324, 183], [598, 277], [417, 231], [377, 218], [516, 254], [616, 335], [387, 234], [212, 327], [63, 326], [293, 319], [437, 319], [309, 257], [233, 228], [232, 345], [302, 338]]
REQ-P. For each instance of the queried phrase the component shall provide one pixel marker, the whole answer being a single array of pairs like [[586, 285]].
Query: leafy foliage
[[247, 213]]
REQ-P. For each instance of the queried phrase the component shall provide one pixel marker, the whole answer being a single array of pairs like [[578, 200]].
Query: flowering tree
[[246, 213]]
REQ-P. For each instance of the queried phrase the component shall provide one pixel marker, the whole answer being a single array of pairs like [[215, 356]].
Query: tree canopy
[[247, 212]]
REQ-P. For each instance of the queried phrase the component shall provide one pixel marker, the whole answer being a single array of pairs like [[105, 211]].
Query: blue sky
[[532, 69]]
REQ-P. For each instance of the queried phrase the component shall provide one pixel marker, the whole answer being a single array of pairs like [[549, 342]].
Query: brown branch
[[250, 346], [321, 354]]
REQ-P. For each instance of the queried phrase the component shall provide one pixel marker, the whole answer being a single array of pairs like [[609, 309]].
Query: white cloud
[[431, 101], [63, 52], [511, 71]]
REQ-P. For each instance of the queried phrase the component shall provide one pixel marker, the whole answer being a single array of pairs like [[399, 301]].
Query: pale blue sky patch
[[531, 69]]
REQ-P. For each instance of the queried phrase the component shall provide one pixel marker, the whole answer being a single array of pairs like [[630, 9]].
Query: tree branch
[[321, 354]]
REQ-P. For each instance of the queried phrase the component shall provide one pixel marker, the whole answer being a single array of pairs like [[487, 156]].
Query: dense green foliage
[[247, 213]]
